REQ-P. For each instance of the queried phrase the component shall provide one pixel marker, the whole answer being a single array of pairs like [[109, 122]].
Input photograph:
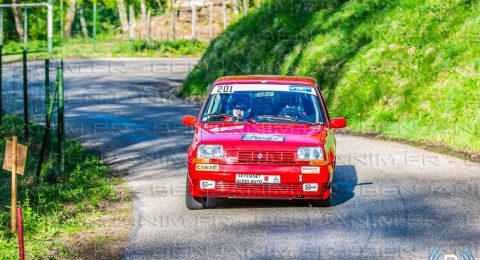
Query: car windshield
[[263, 103]]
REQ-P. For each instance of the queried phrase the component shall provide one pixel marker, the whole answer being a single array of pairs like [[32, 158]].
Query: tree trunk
[[224, 11], [83, 23], [143, 9], [70, 17], [18, 20], [122, 13], [235, 7]]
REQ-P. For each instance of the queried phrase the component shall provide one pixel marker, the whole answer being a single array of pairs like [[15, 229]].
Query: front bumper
[[290, 187]]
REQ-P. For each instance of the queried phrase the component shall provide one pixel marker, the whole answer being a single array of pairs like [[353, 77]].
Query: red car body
[[262, 157]]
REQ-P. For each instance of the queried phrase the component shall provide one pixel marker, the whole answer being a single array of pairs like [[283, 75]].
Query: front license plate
[[257, 179]]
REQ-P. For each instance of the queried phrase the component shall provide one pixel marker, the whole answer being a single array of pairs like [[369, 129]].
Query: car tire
[[324, 202], [193, 203]]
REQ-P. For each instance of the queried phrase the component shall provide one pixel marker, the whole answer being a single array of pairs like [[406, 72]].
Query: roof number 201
[[225, 89]]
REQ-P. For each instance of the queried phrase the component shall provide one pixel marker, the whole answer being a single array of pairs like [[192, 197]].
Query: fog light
[[207, 185], [310, 187]]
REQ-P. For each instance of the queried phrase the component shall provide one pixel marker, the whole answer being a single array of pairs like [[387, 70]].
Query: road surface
[[390, 200]]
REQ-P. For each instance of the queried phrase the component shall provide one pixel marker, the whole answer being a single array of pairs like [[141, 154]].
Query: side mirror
[[338, 123], [189, 121]]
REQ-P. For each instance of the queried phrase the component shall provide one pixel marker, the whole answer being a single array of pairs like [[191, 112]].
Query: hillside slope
[[406, 69]]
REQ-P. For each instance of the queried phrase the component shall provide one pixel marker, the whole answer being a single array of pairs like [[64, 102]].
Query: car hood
[[274, 137]]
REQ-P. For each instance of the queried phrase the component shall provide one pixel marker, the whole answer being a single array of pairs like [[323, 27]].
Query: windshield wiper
[[228, 115], [286, 118]]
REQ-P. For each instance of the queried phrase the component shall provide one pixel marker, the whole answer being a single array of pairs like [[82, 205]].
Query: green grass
[[56, 205], [405, 69], [110, 47]]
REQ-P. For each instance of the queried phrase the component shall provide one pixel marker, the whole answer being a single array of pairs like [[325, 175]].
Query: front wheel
[[324, 202], [193, 203]]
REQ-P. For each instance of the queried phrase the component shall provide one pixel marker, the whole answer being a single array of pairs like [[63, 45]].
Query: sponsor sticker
[[207, 185], [207, 167], [227, 128], [310, 187], [300, 88], [260, 137], [257, 179], [310, 169]]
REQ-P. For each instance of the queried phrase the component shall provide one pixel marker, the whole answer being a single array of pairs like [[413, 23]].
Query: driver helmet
[[241, 105]]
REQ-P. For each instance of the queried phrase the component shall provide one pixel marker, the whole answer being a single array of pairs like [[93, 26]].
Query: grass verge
[[64, 214], [407, 69], [109, 47]]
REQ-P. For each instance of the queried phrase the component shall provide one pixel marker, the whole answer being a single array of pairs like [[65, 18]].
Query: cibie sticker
[[309, 169], [207, 167], [260, 137]]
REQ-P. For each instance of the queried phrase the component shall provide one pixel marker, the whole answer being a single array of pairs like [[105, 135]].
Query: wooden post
[[14, 185], [224, 11], [194, 22], [210, 22]]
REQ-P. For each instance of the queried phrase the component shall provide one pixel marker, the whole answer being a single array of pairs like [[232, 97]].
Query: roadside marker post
[[15, 158], [21, 245]]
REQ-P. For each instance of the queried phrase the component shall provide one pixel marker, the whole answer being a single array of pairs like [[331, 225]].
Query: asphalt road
[[390, 200]]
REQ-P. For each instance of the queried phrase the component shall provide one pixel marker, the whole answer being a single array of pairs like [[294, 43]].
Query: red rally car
[[263, 137]]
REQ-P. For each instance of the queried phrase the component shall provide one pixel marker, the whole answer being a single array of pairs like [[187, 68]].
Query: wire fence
[[89, 21], [13, 88], [30, 90]]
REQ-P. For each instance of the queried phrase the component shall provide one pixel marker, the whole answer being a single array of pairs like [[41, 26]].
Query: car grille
[[287, 187], [262, 157]]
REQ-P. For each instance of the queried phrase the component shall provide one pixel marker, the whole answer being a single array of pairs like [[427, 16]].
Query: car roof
[[266, 79]]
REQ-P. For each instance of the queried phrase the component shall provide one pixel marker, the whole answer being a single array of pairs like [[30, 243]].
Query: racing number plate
[[257, 179]]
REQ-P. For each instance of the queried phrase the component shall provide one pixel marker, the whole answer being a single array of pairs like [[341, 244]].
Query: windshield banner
[[227, 89]]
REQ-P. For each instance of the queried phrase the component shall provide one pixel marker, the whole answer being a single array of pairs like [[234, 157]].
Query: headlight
[[210, 151], [309, 153]]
